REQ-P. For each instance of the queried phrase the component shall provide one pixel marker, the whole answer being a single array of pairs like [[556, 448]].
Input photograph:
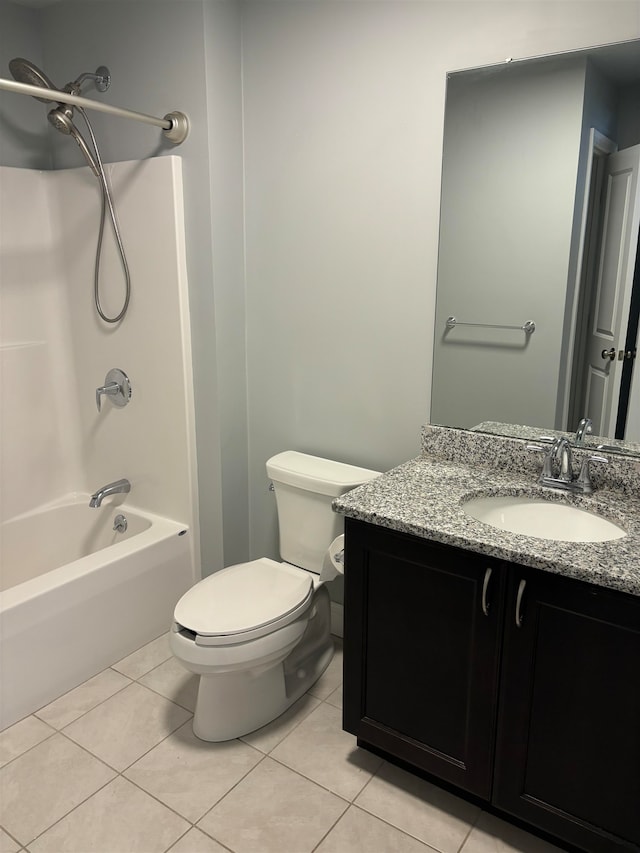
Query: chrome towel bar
[[529, 327]]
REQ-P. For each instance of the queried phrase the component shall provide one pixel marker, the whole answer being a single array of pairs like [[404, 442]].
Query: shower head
[[26, 72], [62, 119]]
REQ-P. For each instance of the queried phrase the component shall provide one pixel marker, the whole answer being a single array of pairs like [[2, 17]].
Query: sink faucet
[[561, 453], [116, 488], [584, 428], [557, 470]]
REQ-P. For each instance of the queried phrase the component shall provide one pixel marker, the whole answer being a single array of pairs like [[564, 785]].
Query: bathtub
[[77, 596]]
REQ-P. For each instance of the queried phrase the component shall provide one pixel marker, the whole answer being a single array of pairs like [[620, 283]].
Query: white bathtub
[[77, 596]]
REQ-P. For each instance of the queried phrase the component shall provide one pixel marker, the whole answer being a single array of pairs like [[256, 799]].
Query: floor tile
[[273, 810], [332, 676], [21, 736], [360, 832], [124, 727], [419, 808], [41, 786], [269, 736], [141, 661], [172, 680], [7, 844], [321, 751], [190, 775], [335, 698], [78, 701], [492, 835], [197, 842], [119, 818]]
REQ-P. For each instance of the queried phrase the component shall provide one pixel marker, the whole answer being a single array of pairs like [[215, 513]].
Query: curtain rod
[[175, 125]]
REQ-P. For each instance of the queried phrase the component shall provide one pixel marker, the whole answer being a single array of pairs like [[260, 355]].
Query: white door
[[609, 317]]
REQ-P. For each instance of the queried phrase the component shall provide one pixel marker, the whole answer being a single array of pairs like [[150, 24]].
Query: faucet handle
[[111, 389], [116, 386], [584, 477], [546, 468]]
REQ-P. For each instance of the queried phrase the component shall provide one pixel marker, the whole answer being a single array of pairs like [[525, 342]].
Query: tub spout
[[119, 487]]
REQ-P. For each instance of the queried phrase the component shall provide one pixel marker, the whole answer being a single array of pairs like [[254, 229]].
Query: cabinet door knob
[[519, 616], [485, 587]]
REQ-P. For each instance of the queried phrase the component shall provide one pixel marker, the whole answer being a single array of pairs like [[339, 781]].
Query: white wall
[[55, 352], [151, 440], [39, 424], [344, 107]]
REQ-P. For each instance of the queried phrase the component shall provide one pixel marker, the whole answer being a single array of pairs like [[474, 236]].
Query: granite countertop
[[424, 497]]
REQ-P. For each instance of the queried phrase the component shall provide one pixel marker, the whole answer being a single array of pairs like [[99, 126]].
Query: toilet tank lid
[[316, 474]]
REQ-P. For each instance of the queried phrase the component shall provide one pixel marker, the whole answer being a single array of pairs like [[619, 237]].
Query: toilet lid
[[243, 597]]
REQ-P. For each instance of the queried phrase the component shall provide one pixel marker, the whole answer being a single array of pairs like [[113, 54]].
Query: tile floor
[[113, 766]]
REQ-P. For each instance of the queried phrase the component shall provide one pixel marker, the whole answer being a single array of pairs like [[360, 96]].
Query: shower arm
[[175, 125]]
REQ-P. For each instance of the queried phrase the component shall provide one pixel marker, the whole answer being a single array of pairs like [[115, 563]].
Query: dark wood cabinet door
[[421, 654], [568, 746]]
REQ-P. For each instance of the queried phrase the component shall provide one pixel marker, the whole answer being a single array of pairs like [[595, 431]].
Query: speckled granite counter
[[425, 495]]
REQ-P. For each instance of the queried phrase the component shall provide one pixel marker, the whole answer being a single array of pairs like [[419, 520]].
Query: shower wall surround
[[55, 351]]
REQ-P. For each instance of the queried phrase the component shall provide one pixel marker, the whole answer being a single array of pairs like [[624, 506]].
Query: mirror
[[538, 292]]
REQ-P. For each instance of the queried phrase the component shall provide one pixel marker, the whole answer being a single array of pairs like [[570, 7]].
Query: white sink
[[544, 519]]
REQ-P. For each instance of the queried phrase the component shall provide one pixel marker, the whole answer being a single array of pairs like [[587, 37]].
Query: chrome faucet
[[584, 428], [116, 488], [557, 470], [561, 453]]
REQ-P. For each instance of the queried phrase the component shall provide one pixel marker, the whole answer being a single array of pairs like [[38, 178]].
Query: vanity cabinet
[[518, 686]]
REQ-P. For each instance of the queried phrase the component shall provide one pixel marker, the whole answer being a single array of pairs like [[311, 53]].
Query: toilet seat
[[244, 602]]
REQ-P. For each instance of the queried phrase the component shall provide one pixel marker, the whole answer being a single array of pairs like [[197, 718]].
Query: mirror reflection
[[538, 293]]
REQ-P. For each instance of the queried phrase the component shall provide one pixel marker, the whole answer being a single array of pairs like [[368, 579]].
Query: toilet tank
[[304, 487]]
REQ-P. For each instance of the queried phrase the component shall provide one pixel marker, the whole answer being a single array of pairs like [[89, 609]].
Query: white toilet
[[258, 633]]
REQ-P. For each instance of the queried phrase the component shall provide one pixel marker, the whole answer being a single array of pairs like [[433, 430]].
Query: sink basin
[[561, 522]]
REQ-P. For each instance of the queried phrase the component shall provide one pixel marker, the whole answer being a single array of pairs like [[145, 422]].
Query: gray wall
[[342, 119], [224, 94], [22, 142], [344, 108], [629, 124]]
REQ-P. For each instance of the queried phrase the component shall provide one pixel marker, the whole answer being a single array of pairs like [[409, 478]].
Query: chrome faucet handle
[[546, 472], [116, 386], [111, 390], [584, 478]]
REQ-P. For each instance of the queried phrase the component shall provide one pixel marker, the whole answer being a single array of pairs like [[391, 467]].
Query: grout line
[[332, 827], [313, 781], [284, 737], [226, 794], [88, 711], [77, 805], [26, 751], [163, 695]]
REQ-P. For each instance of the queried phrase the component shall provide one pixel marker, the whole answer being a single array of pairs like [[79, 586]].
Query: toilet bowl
[[258, 633]]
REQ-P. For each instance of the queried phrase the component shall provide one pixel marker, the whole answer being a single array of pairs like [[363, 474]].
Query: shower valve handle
[[111, 389], [116, 386]]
